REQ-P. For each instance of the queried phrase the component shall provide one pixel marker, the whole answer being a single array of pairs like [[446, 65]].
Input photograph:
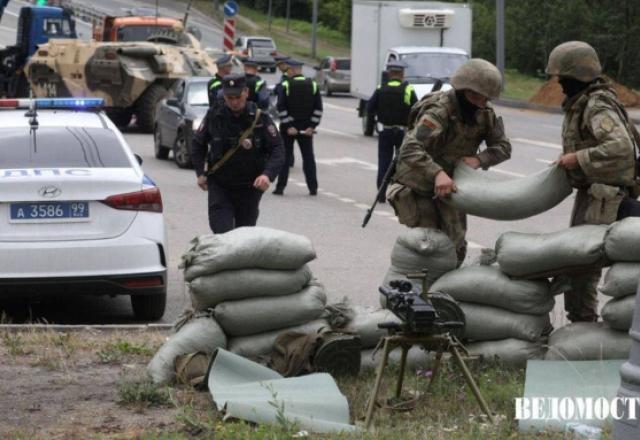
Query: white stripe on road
[[8, 29], [339, 107], [545, 161], [538, 143], [339, 133]]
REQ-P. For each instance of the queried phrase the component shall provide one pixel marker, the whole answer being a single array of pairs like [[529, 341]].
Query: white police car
[[77, 213]]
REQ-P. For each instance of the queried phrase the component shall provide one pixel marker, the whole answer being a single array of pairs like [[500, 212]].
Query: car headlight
[[196, 123]]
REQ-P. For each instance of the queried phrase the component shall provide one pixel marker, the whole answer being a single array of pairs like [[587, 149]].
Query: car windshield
[[432, 65], [61, 148], [261, 43], [139, 33], [197, 93], [343, 64]]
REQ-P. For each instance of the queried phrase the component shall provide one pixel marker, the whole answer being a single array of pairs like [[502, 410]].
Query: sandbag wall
[[246, 286]]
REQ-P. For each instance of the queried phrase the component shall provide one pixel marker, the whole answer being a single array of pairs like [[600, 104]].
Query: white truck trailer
[[432, 38]]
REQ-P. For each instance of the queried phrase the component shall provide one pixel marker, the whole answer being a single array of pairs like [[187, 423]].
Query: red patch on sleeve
[[429, 124]]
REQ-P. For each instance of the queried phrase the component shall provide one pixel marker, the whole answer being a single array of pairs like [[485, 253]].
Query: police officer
[[258, 91], [245, 155], [598, 155], [214, 86], [448, 128], [300, 110], [283, 67], [391, 103]]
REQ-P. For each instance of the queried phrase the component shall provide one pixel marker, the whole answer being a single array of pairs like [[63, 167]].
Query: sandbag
[[416, 358], [481, 194], [588, 341], [622, 242], [210, 290], [511, 352], [621, 280], [487, 285], [256, 315], [531, 255], [201, 334], [253, 346], [421, 248], [618, 312], [365, 324], [484, 323], [247, 247]]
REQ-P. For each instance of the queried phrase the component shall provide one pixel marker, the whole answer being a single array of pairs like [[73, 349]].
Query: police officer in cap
[[245, 156], [300, 110], [391, 103], [214, 86], [283, 67], [258, 91]]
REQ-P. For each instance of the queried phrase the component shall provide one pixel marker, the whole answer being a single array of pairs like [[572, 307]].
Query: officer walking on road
[[258, 91], [446, 128], [245, 156], [283, 67], [214, 86], [300, 110], [391, 103], [598, 154]]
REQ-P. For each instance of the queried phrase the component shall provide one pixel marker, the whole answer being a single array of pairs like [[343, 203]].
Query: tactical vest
[[254, 83], [300, 93], [394, 103], [245, 165]]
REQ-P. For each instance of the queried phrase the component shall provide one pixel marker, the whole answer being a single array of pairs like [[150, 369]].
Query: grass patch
[[15, 344], [520, 86], [116, 351], [143, 393]]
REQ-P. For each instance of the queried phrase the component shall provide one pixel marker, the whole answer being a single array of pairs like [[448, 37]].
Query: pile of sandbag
[[417, 249], [248, 285], [505, 318], [609, 339]]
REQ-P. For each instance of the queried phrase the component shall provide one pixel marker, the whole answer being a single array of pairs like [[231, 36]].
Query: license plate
[[49, 212]]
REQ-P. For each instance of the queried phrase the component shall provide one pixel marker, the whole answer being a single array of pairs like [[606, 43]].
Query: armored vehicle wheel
[[161, 152], [149, 307], [120, 117], [181, 151], [147, 105]]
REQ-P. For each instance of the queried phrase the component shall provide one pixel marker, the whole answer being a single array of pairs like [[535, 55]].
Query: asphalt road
[[352, 261]]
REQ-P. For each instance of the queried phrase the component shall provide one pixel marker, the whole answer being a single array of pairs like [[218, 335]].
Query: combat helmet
[[480, 76], [575, 59]]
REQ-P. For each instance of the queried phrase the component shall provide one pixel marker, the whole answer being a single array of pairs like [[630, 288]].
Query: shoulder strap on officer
[[245, 134]]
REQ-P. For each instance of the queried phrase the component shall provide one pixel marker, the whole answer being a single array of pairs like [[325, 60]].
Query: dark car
[[178, 117], [334, 75]]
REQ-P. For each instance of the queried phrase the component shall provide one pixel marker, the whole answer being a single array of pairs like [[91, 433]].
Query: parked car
[[334, 75], [237, 66], [262, 49], [178, 117], [77, 213]]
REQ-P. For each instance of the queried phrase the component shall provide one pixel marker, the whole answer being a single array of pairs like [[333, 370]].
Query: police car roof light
[[54, 103]]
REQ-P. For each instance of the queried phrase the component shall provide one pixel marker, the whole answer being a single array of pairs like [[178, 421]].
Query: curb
[[95, 328]]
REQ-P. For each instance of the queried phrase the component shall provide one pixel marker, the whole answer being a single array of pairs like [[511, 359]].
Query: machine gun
[[433, 321]]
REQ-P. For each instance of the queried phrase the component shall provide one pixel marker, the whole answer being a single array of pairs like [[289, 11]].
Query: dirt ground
[[82, 385], [550, 94]]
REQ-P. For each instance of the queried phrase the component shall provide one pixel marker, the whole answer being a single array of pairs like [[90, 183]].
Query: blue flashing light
[[68, 103]]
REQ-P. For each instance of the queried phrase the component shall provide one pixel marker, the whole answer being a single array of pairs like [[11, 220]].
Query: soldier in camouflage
[[446, 128], [598, 154]]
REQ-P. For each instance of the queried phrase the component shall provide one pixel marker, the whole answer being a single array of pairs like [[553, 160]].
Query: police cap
[[251, 62], [280, 59], [233, 85], [294, 63], [224, 59], [396, 66]]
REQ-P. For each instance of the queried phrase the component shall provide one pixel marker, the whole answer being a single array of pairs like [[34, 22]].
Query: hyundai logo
[[49, 191]]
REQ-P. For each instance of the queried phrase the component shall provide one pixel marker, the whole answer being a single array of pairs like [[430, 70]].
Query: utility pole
[[288, 13], [216, 5], [314, 29], [269, 13], [500, 37]]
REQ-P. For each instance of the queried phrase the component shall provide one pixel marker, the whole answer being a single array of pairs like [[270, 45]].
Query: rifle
[[392, 168]]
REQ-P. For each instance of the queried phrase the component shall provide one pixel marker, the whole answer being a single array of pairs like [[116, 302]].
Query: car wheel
[[149, 307], [161, 152], [368, 123], [120, 117], [327, 90], [181, 151]]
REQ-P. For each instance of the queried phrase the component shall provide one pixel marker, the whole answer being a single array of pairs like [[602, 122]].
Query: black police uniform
[[258, 91], [233, 201], [214, 87], [299, 106], [391, 103]]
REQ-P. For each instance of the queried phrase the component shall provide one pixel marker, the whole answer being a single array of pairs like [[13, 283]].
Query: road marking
[[508, 173], [8, 29], [474, 245], [548, 162], [538, 143], [338, 133], [361, 206], [349, 161], [340, 107], [346, 200]]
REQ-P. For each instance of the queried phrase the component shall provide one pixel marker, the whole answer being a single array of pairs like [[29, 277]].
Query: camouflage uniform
[[595, 128], [439, 139]]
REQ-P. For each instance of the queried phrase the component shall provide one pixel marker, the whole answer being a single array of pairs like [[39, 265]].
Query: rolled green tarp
[[482, 195]]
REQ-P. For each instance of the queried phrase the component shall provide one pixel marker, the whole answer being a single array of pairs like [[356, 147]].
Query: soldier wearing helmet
[[598, 154], [447, 128]]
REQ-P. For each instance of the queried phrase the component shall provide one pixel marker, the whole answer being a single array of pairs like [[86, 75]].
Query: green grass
[[520, 86], [143, 392], [116, 351]]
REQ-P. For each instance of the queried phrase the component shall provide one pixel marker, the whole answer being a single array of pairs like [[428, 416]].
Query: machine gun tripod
[[423, 323]]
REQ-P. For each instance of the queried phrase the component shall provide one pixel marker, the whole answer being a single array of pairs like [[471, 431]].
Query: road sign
[[230, 8]]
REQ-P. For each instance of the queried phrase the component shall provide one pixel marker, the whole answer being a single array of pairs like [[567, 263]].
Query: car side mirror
[[138, 158], [173, 102]]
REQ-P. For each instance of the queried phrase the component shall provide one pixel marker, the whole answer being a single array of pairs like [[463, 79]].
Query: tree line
[[532, 29]]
